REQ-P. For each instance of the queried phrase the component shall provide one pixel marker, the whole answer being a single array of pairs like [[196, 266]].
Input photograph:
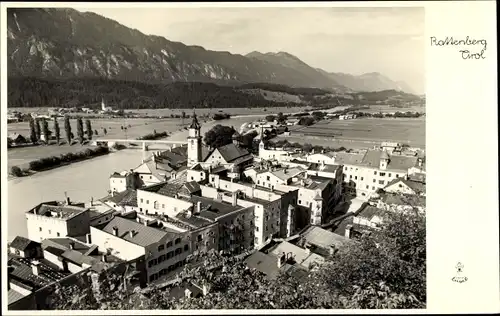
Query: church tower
[[194, 142], [384, 160]]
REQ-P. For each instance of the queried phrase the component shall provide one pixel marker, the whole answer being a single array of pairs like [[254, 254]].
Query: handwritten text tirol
[[466, 52]]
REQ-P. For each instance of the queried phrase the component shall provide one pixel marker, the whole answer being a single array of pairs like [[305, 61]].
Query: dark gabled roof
[[212, 209], [55, 251], [14, 296], [369, 212], [22, 244], [417, 177], [232, 152], [192, 186]]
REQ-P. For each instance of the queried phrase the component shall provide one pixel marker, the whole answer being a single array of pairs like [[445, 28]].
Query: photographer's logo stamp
[[459, 277]]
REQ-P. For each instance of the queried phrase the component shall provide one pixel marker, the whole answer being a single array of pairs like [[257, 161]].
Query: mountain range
[[67, 44]]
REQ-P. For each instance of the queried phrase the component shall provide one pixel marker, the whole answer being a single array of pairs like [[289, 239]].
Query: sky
[[349, 40]]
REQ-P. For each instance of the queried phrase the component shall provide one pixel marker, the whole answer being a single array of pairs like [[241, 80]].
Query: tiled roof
[[263, 263], [53, 250], [192, 186], [22, 243], [396, 162], [368, 212], [23, 273], [14, 296], [143, 235], [417, 177], [231, 152], [417, 187], [124, 198], [320, 237], [342, 158], [64, 244], [401, 199]]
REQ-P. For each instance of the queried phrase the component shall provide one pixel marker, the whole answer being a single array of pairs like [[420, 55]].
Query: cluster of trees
[[38, 129], [285, 89], [37, 92], [306, 121], [218, 136], [382, 270], [153, 136], [53, 161], [304, 147], [221, 116]]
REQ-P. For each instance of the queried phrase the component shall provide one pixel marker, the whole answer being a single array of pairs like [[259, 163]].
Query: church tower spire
[[194, 142]]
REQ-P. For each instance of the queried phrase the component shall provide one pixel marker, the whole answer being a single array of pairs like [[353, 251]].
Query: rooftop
[[231, 152], [22, 273], [57, 210], [212, 209], [417, 187], [396, 162], [320, 237], [287, 173], [343, 158], [402, 199], [299, 255], [14, 296], [323, 168], [124, 198], [417, 177], [173, 188], [142, 235], [22, 243], [369, 212]]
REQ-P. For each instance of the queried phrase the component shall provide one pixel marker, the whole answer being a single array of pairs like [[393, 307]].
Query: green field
[[360, 133]]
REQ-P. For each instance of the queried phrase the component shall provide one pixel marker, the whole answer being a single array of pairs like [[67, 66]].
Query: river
[[81, 181]]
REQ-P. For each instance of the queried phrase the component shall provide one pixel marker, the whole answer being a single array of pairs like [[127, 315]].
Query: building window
[[373, 188], [361, 178], [170, 255], [39, 228], [400, 185], [390, 175], [192, 178], [375, 172], [367, 187], [147, 201], [163, 206], [356, 178], [161, 247], [50, 232], [58, 235], [150, 177], [268, 178], [156, 205], [350, 176], [186, 247], [169, 244], [256, 228], [382, 174], [300, 201], [200, 237], [374, 180], [381, 182], [178, 251], [177, 241], [201, 173]]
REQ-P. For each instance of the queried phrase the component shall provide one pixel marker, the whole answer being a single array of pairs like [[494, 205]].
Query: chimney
[[115, 231], [72, 245], [281, 260], [104, 258], [138, 219], [198, 207], [146, 222], [348, 231], [91, 201], [332, 250], [235, 198], [419, 160], [35, 267], [187, 293], [68, 201], [88, 239], [131, 233]]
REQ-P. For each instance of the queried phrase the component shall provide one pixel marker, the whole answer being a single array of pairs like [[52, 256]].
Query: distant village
[[284, 210]]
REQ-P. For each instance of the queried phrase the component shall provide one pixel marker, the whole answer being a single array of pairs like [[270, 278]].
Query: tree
[[89, 129], [96, 132], [219, 136], [38, 130], [105, 131], [57, 130], [33, 137], [79, 129], [270, 118], [46, 131], [281, 118], [67, 129]]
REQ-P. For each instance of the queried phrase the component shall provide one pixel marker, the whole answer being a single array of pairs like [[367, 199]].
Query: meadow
[[360, 133]]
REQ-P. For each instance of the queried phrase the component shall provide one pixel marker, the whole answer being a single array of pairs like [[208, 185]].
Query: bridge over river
[[145, 143]]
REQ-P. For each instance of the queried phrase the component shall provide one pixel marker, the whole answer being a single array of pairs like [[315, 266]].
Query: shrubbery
[[221, 116], [16, 171], [53, 161], [153, 136]]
